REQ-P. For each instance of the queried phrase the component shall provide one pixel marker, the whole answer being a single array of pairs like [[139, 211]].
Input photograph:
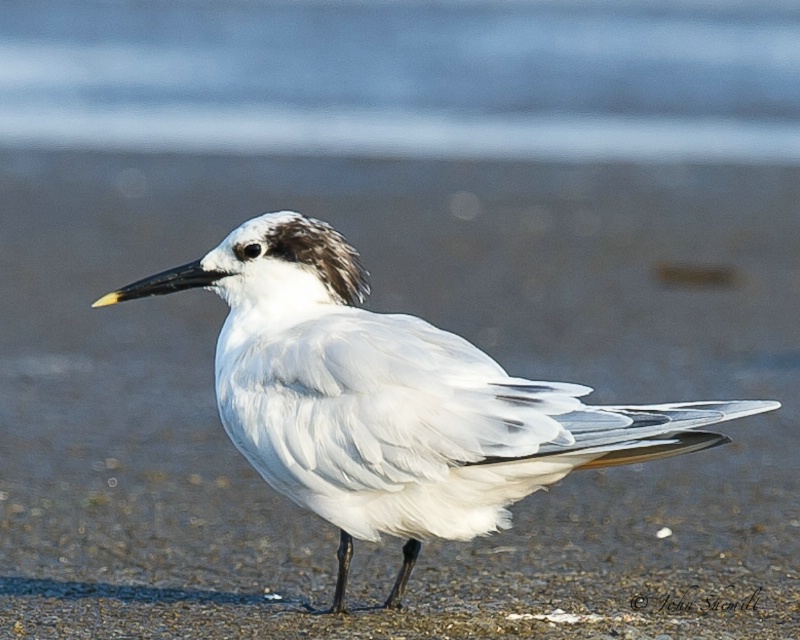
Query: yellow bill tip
[[106, 300]]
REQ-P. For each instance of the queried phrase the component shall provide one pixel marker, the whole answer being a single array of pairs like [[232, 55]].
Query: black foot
[[410, 552], [337, 611], [325, 612]]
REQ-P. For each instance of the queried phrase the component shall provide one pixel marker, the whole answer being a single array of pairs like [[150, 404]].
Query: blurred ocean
[[638, 80]]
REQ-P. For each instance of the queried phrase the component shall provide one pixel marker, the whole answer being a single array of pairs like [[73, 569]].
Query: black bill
[[187, 276]]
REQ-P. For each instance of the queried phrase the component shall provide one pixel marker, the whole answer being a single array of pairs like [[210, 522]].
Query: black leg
[[344, 554], [410, 552]]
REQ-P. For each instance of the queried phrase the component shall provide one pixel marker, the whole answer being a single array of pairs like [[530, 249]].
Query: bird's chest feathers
[[254, 412], [263, 376]]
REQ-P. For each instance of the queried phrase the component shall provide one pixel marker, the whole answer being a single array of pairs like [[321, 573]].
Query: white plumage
[[385, 423]]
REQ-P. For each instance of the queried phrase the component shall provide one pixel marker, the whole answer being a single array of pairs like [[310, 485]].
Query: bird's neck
[[281, 296], [246, 323], [284, 296]]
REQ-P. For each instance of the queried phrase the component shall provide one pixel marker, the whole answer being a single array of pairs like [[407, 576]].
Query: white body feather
[[363, 418], [386, 424]]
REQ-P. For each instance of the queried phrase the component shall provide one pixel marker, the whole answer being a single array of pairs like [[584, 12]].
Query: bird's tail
[[657, 431]]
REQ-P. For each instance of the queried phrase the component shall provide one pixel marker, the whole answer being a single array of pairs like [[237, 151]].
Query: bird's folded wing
[[369, 401]]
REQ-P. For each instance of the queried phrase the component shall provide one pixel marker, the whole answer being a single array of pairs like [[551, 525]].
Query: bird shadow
[[69, 590]]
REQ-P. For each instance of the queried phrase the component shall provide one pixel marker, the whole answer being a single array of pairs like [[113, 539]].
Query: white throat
[[274, 297]]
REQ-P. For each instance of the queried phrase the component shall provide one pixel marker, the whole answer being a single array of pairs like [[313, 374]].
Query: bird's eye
[[252, 251]]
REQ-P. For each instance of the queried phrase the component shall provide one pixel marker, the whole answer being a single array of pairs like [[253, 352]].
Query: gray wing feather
[[601, 426]]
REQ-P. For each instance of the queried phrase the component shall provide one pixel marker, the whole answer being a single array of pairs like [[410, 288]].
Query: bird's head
[[280, 257]]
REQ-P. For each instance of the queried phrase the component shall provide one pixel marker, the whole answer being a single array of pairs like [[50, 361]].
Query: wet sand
[[126, 513]]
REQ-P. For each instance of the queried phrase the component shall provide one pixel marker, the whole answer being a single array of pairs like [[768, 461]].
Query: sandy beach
[[126, 513]]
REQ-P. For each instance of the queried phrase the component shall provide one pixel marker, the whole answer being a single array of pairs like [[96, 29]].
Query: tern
[[384, 423]]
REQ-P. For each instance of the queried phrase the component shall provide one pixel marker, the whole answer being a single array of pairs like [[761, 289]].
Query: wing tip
[[734, 409]]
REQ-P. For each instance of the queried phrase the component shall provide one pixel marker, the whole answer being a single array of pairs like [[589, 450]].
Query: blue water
[[708, 81]]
